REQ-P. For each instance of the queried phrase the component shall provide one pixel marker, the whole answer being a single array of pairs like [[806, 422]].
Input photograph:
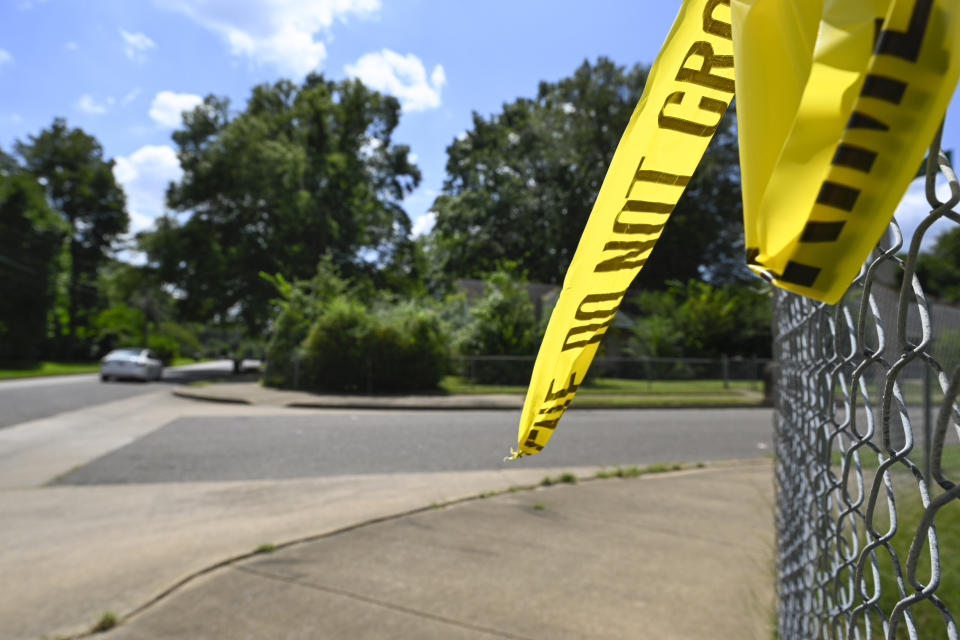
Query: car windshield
[[125, 352]]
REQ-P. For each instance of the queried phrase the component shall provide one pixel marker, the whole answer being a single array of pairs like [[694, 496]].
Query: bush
[[501, 323], [164, 347], [384, 348]]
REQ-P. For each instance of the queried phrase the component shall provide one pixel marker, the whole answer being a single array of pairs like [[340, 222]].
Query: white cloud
[[90, 106], [135, 45], [401, 76], [279, 33], [423, 224], [71, 46], [913, 208], [131, 96], [167, 107], [144, 175], [5, 57]]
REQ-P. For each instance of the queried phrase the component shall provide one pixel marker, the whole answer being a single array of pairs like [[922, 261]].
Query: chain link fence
[[867, 460]]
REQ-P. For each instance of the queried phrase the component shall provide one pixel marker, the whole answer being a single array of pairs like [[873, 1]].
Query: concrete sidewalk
[[398, 555], [676, 555]]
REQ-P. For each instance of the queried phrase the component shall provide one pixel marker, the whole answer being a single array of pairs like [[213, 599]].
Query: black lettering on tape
[[595, 298], [860, 120], [883, 88], [658, 177], [550, 425], [690, 127], [531, 442], [800, 274], [703, 75], [821, 231], [855, 157], [840, 196], [557, 408], [629, 260], [641, 206], [556, 395], [596, 331], [906, 44], [714, 26]]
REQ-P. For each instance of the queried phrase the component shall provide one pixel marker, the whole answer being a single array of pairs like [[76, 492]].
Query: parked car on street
[[131, 362]]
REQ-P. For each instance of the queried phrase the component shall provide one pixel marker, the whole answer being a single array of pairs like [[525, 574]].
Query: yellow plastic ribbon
[[688, 89], [837, 101]]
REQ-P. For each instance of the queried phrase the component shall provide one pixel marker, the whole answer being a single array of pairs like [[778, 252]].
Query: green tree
[[31, 245], [939, 268], [80, 187], [303, 171], [520, 186]]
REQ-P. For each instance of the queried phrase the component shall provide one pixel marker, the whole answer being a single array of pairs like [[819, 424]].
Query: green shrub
[[185, 337], [378, 348], [501, 323], [164, 347]]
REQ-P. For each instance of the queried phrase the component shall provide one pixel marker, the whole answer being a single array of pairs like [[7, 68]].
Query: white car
[[131, 362]]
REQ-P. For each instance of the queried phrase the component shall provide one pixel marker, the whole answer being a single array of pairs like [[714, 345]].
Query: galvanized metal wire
[[860, 476]]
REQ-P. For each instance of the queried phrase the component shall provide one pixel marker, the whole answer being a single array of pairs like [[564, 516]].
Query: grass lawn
[[926, 616], [64, 368], [51, 369]]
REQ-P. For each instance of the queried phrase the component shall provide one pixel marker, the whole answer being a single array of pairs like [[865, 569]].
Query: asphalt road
[[331, 443], [26, 399]]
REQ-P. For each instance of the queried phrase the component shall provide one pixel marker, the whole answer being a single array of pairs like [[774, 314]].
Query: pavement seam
[[233, 560], [228, 562], [380, 603]]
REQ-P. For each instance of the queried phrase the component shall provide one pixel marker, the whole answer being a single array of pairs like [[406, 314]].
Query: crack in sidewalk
[[379, 603]]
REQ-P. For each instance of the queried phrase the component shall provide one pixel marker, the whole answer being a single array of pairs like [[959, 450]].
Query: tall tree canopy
[[302, 172], [31, 244], [80, 187], [521, 185]]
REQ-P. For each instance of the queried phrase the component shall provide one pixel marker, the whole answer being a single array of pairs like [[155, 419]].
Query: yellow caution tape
[[688, 89], [837, 101]]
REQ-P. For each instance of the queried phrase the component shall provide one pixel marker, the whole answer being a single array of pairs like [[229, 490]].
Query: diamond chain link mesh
[[867, 463]]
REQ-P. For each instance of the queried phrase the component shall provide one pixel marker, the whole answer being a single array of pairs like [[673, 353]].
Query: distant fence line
[[725, 368]]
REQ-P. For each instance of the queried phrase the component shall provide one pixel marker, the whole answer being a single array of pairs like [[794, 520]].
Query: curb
[[449, 403]]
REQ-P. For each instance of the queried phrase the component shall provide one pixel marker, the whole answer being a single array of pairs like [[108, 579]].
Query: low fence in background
[[867, 461], [517, 369]]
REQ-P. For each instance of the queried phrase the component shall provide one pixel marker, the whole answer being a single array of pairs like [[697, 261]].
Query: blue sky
[[123, 69]]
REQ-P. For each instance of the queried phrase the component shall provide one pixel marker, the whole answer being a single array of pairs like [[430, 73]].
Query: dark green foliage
[[330, 335], [939, 268], [31, 244], [120, 325], [521, 185], [501, 323], [352, 347], [303, 171], [81, 188], [165, 347], [700, 320]]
